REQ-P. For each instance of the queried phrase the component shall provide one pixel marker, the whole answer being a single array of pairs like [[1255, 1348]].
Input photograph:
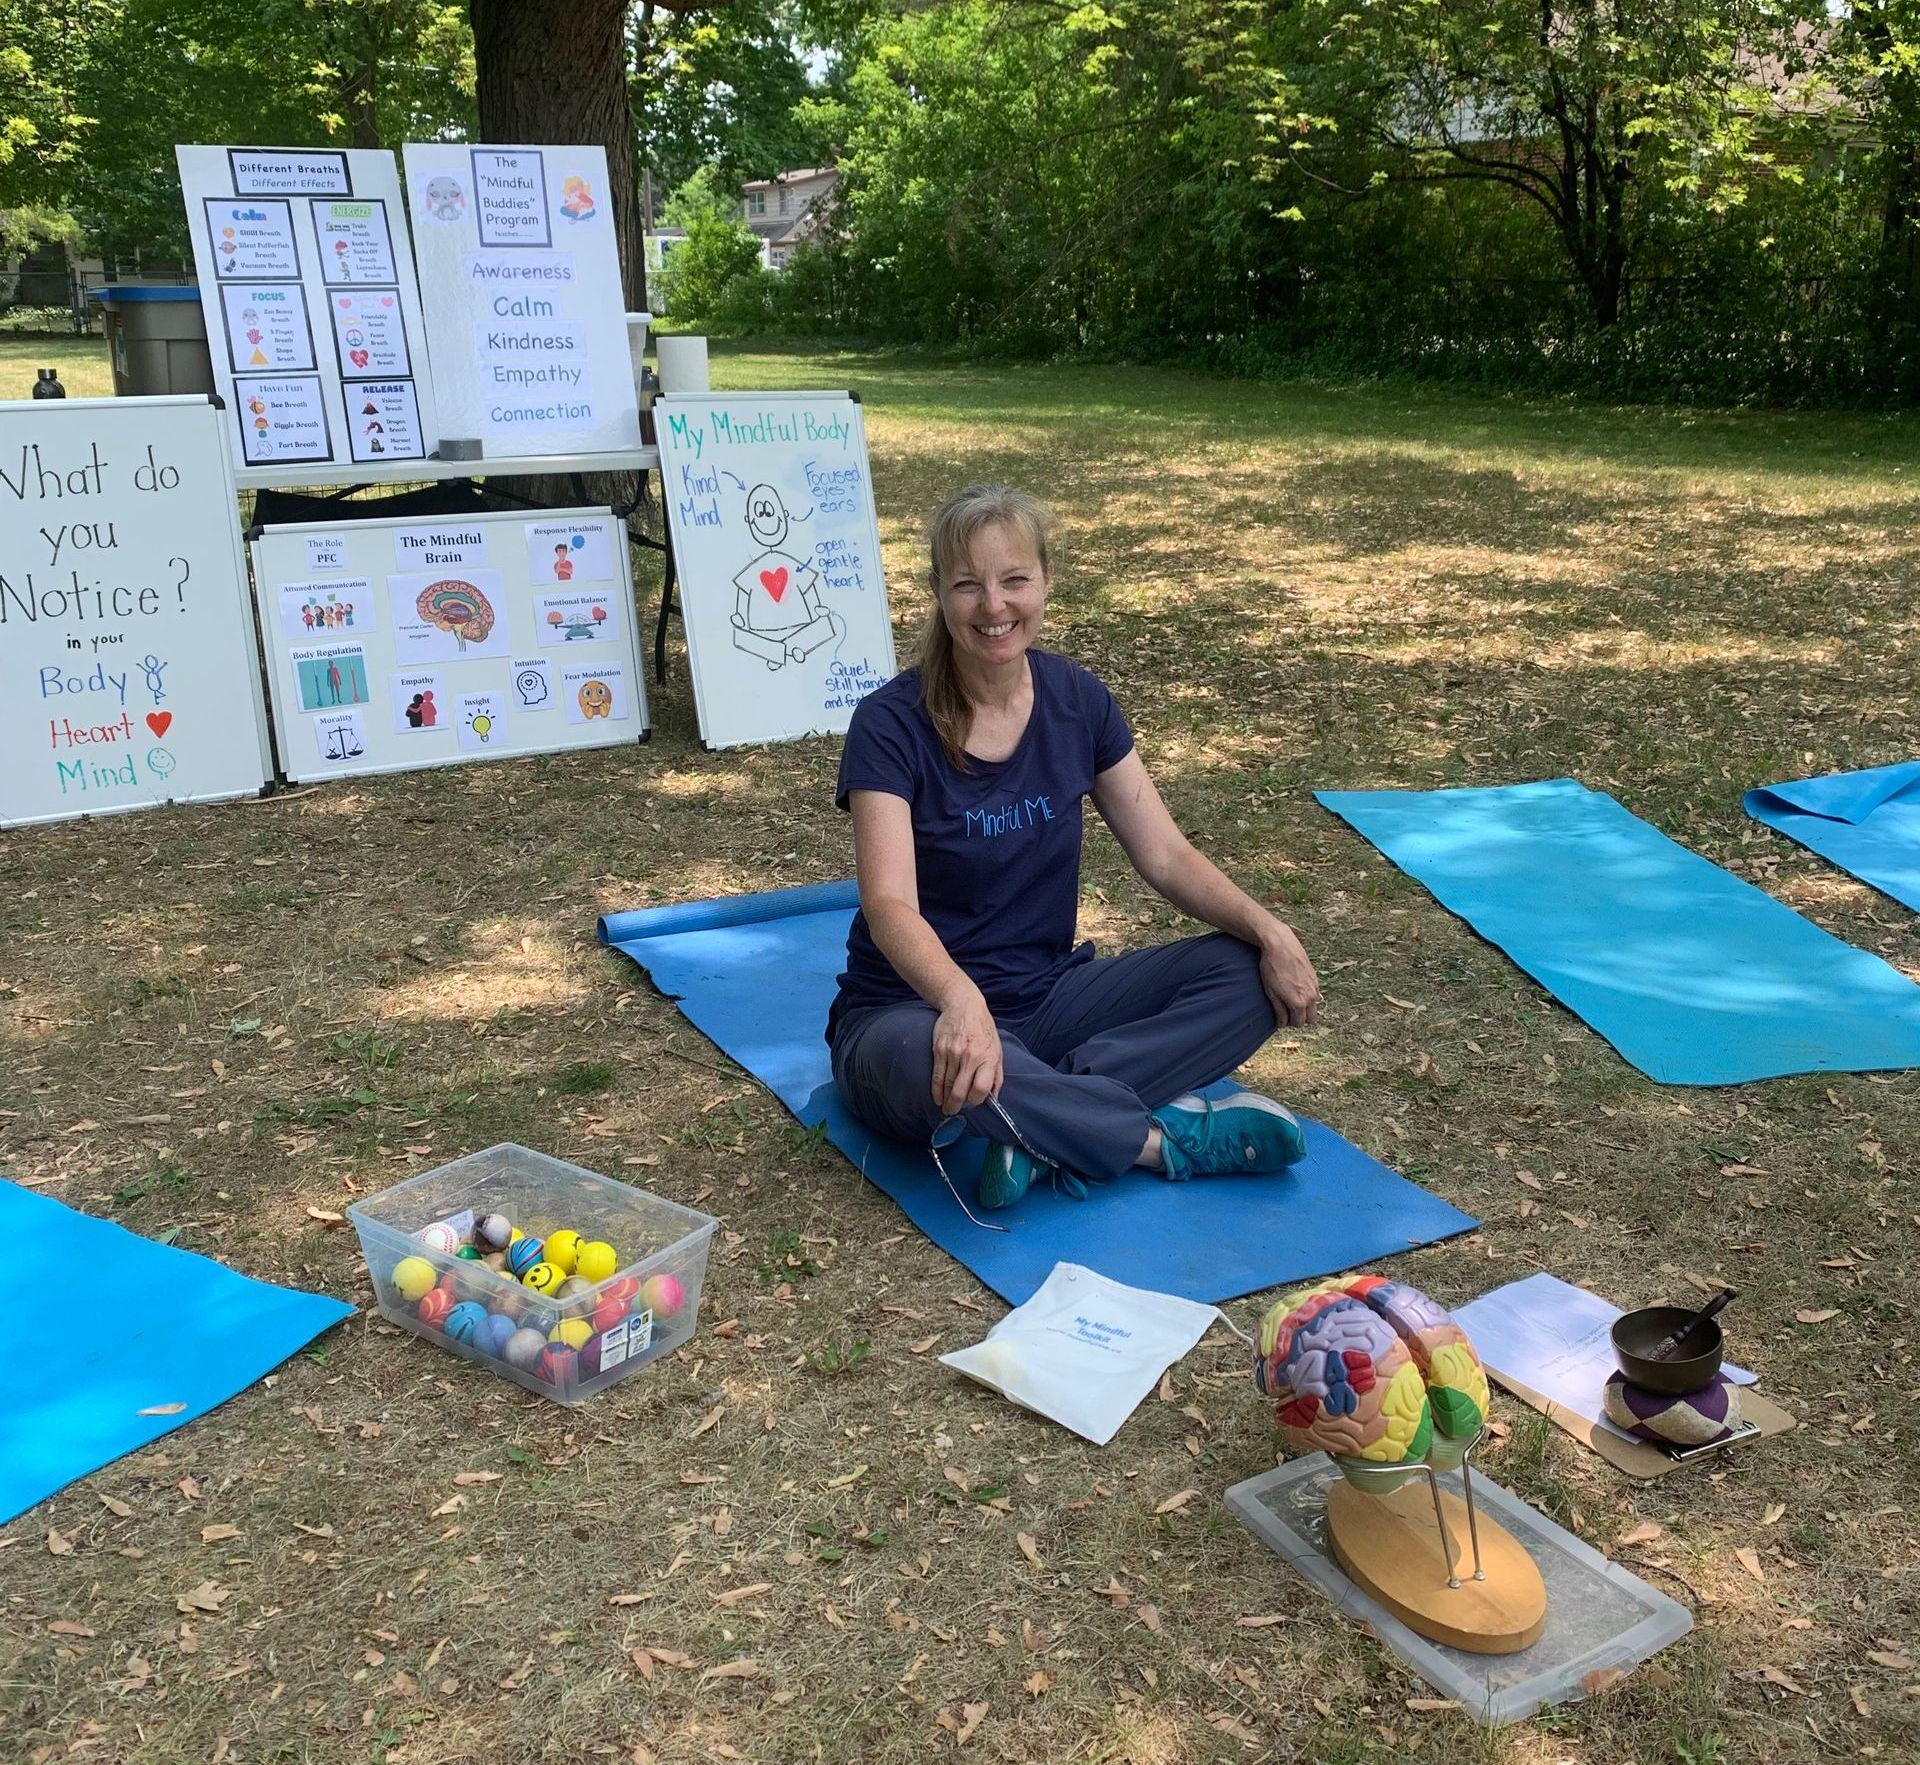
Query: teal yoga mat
[[756, 974], [1868, 823], [143, 1328], [1694, 976]]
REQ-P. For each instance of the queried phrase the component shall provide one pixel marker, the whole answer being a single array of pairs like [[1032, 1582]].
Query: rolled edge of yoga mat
[[706, 916], [1835, 796]]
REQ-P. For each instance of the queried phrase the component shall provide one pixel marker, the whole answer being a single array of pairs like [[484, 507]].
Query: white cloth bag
[[1085, 1350]]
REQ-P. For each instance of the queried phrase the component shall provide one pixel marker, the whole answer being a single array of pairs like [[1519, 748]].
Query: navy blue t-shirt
[[996, 848]]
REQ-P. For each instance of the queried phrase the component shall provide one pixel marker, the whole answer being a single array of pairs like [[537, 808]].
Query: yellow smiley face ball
[[596, 1261], [543, 1277], [574, 1332], [414, 1278], [563, 1251]]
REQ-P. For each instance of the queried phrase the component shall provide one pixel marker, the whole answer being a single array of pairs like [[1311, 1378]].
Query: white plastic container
[[661, 1245]]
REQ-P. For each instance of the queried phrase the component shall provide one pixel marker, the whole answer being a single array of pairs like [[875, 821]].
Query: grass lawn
[[84, 368], [1288, 586]]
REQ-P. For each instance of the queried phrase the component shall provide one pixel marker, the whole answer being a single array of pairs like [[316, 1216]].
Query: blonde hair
[[956, 524]]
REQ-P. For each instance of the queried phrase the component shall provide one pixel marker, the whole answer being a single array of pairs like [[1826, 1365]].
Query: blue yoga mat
[[1695, 976], [756, 973], [138, 1326], [1868, 823]]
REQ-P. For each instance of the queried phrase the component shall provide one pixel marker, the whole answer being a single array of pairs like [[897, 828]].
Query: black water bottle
[[48, 385]]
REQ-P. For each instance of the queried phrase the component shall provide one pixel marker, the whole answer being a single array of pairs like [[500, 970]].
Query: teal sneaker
[[1008, 1174], [1237, 1134]]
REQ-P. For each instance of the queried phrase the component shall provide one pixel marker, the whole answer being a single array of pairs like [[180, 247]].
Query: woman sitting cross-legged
[[965, 994]]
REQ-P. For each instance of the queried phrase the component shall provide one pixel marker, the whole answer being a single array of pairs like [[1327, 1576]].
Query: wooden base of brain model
[[1373, 1371]]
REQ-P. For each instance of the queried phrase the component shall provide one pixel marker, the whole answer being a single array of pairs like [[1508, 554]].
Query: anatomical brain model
[[1373, 1370]]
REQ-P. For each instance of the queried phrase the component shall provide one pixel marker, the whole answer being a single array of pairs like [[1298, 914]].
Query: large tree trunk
[[556, 71]]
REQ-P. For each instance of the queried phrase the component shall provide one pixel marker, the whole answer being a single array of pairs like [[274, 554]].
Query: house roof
[[796, 177]]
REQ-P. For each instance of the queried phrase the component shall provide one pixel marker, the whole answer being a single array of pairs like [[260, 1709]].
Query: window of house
[[757, 202], [783, 202]]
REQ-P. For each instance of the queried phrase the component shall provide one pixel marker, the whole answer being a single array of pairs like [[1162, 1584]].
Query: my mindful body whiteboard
[[313, 314], [399, 644], [526, 315], [127, 670], [778, 555]]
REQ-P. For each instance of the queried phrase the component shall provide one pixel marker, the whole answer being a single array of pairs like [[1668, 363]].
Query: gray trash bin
[[156, 337]]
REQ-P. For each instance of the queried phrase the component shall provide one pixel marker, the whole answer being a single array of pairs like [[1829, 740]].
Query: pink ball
[[663, 1295]]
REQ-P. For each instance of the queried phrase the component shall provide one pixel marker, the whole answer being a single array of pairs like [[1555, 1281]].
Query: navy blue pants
[[1115, 1038]]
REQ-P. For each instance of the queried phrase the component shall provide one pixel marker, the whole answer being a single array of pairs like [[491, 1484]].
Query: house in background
[[786, 210], [782, 212]]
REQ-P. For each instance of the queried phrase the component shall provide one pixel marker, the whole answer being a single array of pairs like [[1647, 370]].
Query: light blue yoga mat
[[756, 973], [1695, 976], [1868, 823], [115, 1324]]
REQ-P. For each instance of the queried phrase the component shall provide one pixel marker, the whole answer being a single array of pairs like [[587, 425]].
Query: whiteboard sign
[[313, 314], [778, 553], [400, 644], [526, 316], [127, 668]]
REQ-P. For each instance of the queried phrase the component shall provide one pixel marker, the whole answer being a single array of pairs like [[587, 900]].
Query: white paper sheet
[[1554, 1338]]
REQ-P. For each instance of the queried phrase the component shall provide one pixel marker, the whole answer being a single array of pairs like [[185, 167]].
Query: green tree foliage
[[110, 86], [719, 250], [1596, 112], [721, 86]]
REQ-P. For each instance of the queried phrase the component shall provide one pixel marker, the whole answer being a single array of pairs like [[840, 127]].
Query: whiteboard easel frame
[[287, 718], [256, 697], [663, 407]]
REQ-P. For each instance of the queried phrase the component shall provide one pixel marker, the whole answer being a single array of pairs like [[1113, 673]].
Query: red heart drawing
[[159, 721], [774, 582], [386, 300], [358, 357], [346, 302]]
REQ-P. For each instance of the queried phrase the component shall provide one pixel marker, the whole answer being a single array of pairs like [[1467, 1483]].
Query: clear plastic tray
[[1601, 1621], [653, 1238]]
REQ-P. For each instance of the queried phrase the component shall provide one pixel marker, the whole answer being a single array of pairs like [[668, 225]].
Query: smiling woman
[[965, 998]]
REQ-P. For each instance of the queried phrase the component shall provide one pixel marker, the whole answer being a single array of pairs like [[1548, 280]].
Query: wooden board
[[1390, 1546]]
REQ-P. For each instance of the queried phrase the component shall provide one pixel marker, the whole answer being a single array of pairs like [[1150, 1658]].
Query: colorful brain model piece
[[1370, 1369], [457, 607]]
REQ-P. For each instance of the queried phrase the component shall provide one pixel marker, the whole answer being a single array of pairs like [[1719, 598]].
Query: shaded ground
[[1287, 586]]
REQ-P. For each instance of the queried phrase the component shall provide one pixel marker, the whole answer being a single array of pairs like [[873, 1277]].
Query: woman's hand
[[966, 1054], [1292, 987]]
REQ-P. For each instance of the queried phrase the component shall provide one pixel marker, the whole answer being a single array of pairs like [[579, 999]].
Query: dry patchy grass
[[1288, 586]]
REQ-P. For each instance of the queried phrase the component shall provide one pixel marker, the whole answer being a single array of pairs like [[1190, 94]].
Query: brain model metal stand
[[1376, 1375], [457, 607], [1371, 1370]]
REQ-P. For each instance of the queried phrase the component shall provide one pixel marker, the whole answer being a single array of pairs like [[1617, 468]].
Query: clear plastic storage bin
[[645, 1308]]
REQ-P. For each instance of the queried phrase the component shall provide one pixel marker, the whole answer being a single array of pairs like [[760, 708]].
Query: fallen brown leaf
[[1174, 1503], [1776, 1511], [462, 1479], [1265, 1621], [326, 1216], [67, 1627], [209, 1596], [1894, 1660], [1749, 1560], [1425, 1704], [972, 1716], [1030, 1549], [1645, 1533], [58, 1544], [114, 1506], [216, 1534], [746, 1667], [1149, 1615], [1039, 1683], [847, 1477], [710, 1420], [629, 1599], [1815, 1317], [734, 1595], [1785, 1681]]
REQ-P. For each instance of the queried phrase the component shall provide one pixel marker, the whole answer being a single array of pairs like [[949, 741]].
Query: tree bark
[[555, 71]]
